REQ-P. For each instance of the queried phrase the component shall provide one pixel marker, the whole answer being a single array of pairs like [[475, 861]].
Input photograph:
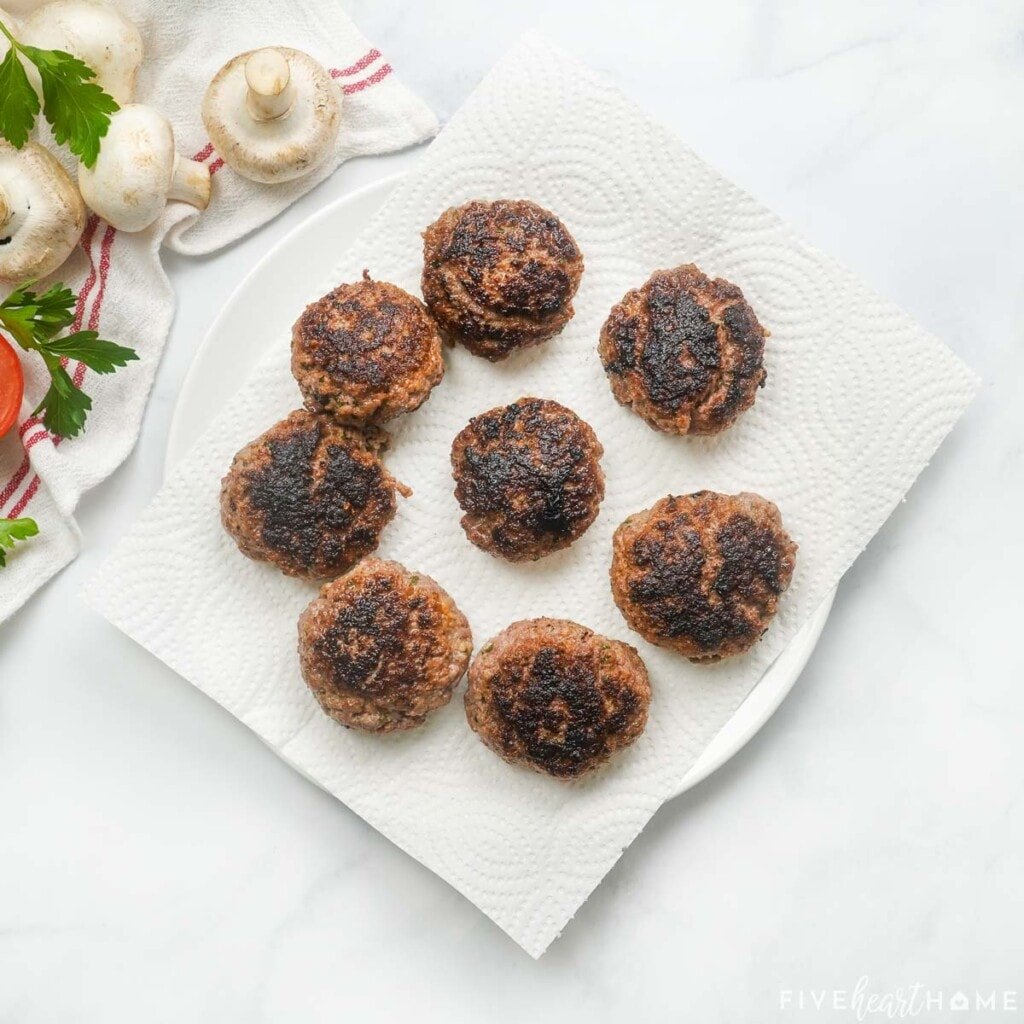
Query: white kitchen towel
[[857, 399], [122, 289]]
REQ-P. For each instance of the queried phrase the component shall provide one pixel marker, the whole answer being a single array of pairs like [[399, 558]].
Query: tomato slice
[[12, 385]]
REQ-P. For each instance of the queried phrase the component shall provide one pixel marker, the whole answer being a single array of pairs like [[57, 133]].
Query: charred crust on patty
[[309, 495], [366, 352], [382, 647], [528, 477], [500, 276], [556, 697], [684, 351], [702, 574]]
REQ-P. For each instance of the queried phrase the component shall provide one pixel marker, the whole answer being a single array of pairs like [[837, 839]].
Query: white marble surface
[[157, 863]]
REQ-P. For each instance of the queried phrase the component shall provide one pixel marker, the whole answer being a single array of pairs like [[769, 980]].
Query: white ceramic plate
[[262, 310]]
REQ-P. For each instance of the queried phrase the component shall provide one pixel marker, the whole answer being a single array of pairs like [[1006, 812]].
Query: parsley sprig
[[75, 106], [13, 530], [35, 321]]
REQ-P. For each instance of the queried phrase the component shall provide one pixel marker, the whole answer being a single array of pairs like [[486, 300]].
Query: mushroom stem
[[190, 182], [270, 93]]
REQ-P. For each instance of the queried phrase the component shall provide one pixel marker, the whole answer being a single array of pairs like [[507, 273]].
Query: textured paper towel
[[858, 397]]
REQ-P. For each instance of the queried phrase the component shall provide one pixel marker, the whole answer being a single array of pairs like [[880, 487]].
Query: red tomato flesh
[[12, 385]]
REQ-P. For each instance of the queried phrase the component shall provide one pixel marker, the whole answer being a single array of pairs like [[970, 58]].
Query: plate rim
[[756, 708]]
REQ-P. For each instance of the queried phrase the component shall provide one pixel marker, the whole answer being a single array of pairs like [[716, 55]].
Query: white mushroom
[[21, 7], [41, 213], [138, 170], [94, 32], [272, 114]]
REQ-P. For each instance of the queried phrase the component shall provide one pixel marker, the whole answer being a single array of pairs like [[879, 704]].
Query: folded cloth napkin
[[122, 289], [858, 398]]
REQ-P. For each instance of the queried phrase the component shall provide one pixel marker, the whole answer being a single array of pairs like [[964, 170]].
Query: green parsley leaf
[[19, 103], [12, 530], [19, 323], [40, 316], [34, 321], [89, 348], [57, 299], [77, 109], [65, 405]]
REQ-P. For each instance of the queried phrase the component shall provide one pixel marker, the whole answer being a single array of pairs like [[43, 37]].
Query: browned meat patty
[[528, 477], [366, 351], [309, 496], [500, 276], [556, 697], [702, 574], [684, 351], [382, 647]]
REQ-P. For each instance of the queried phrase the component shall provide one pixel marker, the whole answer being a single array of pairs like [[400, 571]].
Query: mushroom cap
[[43, 215], [128, 184], [21, 7], [95, 33], [285, 147]]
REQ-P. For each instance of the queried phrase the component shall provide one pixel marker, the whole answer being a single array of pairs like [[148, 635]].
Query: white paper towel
[[857, 399]]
